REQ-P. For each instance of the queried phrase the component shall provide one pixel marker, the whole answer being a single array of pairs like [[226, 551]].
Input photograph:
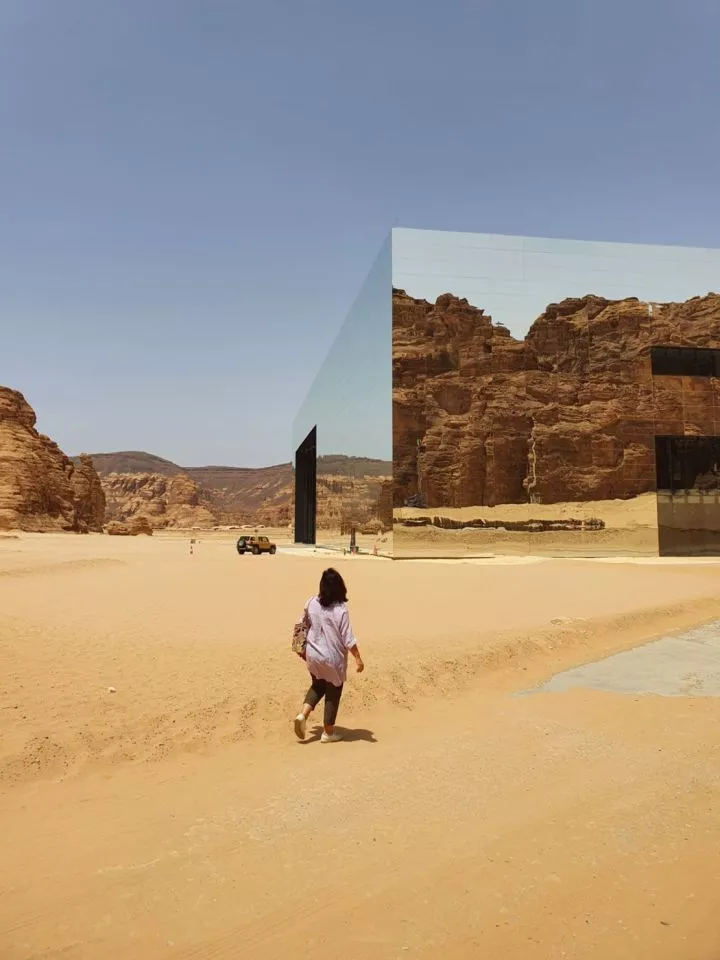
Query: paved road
[[683, 665]]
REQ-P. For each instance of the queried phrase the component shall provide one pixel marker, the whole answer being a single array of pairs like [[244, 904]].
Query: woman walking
[[329, 638]]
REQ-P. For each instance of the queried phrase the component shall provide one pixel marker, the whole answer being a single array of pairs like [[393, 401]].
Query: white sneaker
[[300, 723], [330, 737]]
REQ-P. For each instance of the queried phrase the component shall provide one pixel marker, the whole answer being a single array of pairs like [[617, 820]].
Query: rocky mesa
[[41, 489], [567, 414]]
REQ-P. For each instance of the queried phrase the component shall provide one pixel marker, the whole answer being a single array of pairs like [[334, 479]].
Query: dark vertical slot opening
[[688, 488], [306, 489]]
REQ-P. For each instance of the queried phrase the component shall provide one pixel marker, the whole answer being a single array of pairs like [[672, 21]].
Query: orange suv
[[255, 545]]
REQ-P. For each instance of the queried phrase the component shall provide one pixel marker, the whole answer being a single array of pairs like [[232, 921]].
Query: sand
[[178, 817]]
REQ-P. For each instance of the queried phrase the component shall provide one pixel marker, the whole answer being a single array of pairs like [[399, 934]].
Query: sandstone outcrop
[[162, 501], [205, 497], [88, 494], [567, 414], [41, 489], [131, 528]]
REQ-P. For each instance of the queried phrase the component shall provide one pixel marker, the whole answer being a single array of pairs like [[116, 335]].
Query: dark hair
[[332, 588]]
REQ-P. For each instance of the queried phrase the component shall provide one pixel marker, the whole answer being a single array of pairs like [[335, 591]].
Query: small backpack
[[299, 636]]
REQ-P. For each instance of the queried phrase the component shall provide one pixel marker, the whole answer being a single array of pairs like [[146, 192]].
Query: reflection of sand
[[381, 543], [630, 527], [616, 513], [278, 535], [175, 815]]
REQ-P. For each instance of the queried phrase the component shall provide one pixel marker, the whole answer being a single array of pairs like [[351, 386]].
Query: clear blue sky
[[191, 193]]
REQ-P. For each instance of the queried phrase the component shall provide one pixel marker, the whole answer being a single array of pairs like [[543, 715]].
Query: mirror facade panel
[[349, 406], [529, 387]]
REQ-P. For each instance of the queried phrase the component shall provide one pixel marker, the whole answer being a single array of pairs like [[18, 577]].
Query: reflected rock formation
[[567, 414]]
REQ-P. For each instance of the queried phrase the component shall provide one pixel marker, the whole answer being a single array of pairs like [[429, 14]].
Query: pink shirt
[[328, 641]]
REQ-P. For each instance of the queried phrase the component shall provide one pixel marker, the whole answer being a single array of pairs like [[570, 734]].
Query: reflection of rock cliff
[[139, 484], [568, 414], [364, 503], [40, 488]]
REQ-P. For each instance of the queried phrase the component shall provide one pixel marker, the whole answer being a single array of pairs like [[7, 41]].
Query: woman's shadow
[[348, 736]]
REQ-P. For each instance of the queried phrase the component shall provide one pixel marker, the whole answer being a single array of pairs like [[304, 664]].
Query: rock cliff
[[174, 501], [132, 528], [362, 502], [567, 414], [179, 502], [89, 495], [41, 489], [202, 497]]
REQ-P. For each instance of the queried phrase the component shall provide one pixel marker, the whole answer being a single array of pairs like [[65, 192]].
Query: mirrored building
[[513, 395], [342, 435]]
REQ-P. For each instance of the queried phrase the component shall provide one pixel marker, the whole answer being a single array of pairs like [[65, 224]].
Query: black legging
[[332, 694]]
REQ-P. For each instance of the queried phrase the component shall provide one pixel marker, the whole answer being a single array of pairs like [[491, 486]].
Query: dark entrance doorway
[[306, 489], [688, 495]]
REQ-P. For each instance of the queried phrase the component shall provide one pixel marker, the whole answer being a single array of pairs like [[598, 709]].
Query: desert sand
[[154, 803]]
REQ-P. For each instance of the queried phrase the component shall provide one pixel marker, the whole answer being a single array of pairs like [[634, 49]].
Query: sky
[[193, 191]]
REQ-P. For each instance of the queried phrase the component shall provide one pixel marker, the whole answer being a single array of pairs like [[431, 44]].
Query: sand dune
[[176, 816]]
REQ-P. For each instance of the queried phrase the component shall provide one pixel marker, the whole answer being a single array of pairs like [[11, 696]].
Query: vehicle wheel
[[273, 549], [256, 551], [241, 552]]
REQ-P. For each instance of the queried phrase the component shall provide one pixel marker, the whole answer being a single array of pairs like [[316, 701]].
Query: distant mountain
[[231, 494], [137, 461], [134, 461], [341, 466]]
